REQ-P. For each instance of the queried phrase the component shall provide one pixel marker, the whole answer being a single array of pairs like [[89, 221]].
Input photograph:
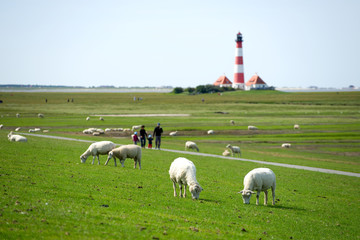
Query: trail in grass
[[323, 170]]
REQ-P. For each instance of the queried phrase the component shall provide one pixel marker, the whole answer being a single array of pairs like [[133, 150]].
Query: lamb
[[96, 149], [136, 127], [126, 151], [16, 138], [286, 145], [191, 145], [226, 153], [252, 128], [183, 172], [210, 132], [296, 126], [173, 133], [259, 179], [234, 149], [40, 115], [232, 122]]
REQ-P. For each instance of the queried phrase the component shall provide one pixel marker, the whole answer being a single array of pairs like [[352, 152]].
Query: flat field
[[46, 192]]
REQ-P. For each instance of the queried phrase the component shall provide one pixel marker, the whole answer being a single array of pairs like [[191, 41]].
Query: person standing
[[150, 141], [157, 133], [143, 135], [135, 138]]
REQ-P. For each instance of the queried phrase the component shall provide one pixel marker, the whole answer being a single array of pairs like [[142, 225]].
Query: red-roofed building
[[223, 81], [255, 82]]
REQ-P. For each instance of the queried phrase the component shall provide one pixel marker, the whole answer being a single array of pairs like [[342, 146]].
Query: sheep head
[[83, 158], [195, 191], [246, 194]]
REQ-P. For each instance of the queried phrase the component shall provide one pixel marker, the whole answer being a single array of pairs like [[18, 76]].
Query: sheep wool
[[183, 172], [16, 138], [191, 145], [126, 151], [96, 149], [234, 149]]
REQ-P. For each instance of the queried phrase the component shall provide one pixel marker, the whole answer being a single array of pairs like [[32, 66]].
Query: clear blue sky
[[178, 43]]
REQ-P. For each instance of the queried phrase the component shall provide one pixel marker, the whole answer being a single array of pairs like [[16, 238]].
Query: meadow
[[47, 193]]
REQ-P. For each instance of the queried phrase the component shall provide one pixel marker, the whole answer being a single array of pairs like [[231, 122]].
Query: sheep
[[259, 179], [17, 129], [1, 126], [96, 134], [234, 149], [286, 145], [88, 118], [90, 130], [232, 122], [101, 118], [18, 115], [296, 126], [183, 172], [226, 153], [37, 129], [252, 128], [96, 149], [136, 127], [173, 133], [46, 131], [126, 151], [16, 138], [210, 132], [108, 129], [191, 145], [40, 115]]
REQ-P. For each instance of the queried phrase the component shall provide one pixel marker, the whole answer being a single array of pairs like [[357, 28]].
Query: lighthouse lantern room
[[239, 64]]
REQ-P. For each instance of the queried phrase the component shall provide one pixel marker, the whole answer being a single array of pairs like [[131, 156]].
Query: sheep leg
[[273, 195], [122, 162], [266, 197], [139, 163], [181, 188], [98, 159], [184, 190], [257, 197], [93, 160], [108, 161], [174, 186]]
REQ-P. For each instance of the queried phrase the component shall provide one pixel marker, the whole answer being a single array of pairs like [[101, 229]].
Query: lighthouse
[[239, 64]]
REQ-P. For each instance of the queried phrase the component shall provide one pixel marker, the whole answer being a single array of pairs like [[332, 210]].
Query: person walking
[[143, 135], [135, 138], [157, 133]]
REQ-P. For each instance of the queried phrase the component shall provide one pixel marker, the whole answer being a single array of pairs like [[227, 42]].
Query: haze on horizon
[[187, 43]]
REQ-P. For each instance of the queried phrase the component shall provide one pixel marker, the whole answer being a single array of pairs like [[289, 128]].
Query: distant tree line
[[209, 88]]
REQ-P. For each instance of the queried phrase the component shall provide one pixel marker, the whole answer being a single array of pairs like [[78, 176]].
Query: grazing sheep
[[34, 130], [90, 130], [17, 129], [234, 149], [252, 128], [16, 138], [40, 115], [173, 133], [191, 145], [18, 115], [88, 118], [296, 126], [134, 128], [108, 129], [96, 134], [101, 118], [126, 151], [96, 149], [232, 122], [31, 130], [226, 153], [1, 126], [259, 179], [126, 130], [210, 132], [286, 145], [183, 172]]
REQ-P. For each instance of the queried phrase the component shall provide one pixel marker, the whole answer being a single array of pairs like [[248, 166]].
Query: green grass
[[46, 192]]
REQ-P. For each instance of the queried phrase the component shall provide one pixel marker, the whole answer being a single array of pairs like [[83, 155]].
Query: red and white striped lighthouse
[[239, 64]]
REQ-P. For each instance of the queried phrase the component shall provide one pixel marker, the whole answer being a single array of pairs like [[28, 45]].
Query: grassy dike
[[46, 193]]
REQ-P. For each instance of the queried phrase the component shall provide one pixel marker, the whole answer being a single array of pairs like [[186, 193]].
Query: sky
[[288, 43]]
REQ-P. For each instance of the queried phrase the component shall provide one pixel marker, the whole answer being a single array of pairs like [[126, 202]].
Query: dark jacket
[[158, 131]]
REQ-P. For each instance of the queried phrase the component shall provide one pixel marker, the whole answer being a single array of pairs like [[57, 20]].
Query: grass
[[46, 192]]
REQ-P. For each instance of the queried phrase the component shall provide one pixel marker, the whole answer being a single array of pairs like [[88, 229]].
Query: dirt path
[[314, 169]]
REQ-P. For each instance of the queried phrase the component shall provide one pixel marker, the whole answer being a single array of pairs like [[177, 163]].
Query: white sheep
[[126, 151], [252, 128], [17, 129], [96, 134], [16, 138], [191, 145], [37, 129], [1, 126], [18, 115], [40, 115], [296, 126], [259, 179], [173, 133], [96, 149], [234, 149], [226, 153], [183, 172], [88, 118], [101, 118], [210, 132], [232, 122], [286, 145], [136, 127]]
